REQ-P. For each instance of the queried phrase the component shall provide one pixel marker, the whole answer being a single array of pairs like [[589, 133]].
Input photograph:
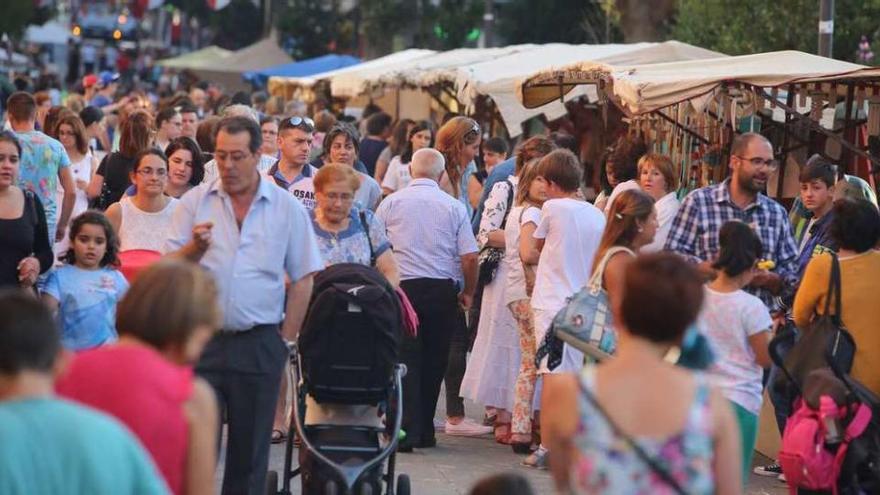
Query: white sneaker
[[439, 425], [467, 428], [538, 459]]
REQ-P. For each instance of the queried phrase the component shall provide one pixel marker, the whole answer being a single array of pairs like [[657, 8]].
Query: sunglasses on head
[[297, 121], [475, 129]]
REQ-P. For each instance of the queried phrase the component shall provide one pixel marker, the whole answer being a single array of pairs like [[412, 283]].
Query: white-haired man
[[237, 110], [435, 248]]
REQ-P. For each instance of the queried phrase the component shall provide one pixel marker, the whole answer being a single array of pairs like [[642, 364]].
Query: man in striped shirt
[[437, 255]]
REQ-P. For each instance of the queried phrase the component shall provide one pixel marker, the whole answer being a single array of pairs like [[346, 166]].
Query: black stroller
[[346, 359], [860, 469]]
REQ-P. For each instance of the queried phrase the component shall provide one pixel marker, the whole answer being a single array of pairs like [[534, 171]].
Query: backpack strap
[[510, 194], [362, 214], [834, 286]]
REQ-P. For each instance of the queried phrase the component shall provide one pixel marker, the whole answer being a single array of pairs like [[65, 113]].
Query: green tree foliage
[[739, 27], [454, 22], [237, 25], [382, 19], [17, 14], [554, 21], [315, 27]]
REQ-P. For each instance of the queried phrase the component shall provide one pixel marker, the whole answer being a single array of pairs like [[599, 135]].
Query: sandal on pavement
[[278, 436], [502, 433]]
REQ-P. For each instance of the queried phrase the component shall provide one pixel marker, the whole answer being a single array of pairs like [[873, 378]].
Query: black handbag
[[490, 257], [824, 339]]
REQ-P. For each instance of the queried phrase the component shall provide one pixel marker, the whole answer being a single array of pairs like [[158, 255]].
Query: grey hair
[[427, 163], [239, 110]]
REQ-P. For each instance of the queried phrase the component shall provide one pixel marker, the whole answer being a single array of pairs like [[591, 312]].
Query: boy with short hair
[[50, 445], [568, 237], [495, 151], [818, 179]]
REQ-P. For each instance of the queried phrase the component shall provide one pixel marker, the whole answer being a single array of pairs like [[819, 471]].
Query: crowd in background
[[109, 200]]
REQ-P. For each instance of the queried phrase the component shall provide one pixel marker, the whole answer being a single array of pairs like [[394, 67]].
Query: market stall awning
[[301, 68], [500, 77], [262, 54], [205, 57], [377, 63], [644, 88]]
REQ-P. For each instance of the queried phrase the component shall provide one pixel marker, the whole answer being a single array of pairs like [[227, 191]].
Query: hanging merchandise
[[774, 94], [874, 116], [801, 91], [832, 93], [860, 99]]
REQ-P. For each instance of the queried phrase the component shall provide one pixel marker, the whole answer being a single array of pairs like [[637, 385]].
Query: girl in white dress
[[397, 176]]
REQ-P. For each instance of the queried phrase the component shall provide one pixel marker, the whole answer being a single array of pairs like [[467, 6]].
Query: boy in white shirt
[[568, 238]]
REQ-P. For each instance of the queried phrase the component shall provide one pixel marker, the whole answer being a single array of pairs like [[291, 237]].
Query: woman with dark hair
[[396, 143], [675, 416], [606, 181], [185, 166], [25, 250], [459, 142], [143, 221], [114, 173], [53, 115], [71, 133], [421, 135], [856, 230], [341, 146], [624, 165]]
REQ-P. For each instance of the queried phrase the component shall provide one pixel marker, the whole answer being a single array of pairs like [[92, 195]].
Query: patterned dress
[[607, 464]]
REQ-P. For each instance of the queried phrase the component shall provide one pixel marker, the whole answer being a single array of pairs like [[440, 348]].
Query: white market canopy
[[641, 89], [499, 78], [206, 57], [377, 64]]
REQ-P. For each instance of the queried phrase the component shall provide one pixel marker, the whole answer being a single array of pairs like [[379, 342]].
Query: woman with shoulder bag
[[113, 176], [856, 229]]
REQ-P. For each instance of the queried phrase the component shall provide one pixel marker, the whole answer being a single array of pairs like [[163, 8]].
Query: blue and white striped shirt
[[429, 231], [694, 231]]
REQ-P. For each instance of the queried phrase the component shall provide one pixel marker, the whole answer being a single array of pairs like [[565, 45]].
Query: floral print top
[[41, 159], [607, 464], [496, 208]]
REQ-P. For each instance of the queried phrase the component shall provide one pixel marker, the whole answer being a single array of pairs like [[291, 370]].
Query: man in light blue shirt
[[49, 445], [250, 234], [437, 255]]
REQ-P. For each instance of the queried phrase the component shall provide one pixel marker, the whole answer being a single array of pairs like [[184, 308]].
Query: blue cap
[[107, 77]]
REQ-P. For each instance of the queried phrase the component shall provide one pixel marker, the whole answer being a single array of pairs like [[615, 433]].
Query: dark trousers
[[455, 369], [244, 368], [426, 356]]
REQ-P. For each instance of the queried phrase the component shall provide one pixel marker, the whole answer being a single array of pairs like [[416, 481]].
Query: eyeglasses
[[770, 164], [297, 121], [146, 172], [343, 197]]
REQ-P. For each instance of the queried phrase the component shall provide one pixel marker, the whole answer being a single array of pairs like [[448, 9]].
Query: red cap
[[90, 80]]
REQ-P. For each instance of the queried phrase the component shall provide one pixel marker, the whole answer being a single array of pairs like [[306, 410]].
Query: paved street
[[457, 463]]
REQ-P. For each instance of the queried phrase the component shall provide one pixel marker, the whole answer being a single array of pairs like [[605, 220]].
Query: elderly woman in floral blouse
[[346, 234]]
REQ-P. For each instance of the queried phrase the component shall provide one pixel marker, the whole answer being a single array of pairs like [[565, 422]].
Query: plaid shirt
[[694, 232]]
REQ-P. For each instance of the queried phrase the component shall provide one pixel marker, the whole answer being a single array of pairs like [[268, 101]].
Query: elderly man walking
[[249, 234], [435, 248]]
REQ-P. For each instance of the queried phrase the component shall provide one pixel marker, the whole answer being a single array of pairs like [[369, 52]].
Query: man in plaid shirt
[[694, 231]]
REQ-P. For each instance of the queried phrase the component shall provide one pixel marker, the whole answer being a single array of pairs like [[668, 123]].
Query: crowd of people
[[155, 259]]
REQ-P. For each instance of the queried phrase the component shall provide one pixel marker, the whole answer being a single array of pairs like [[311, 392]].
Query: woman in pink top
[[146, 379]]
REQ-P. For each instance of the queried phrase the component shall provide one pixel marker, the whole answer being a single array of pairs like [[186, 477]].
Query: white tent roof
[[499, 78], [644, 88], [361, 78], [205, 57], [50, 33], [352, 71], [443, 67]]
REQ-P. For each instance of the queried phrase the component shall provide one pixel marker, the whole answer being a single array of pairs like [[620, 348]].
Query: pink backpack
[[805, 460]]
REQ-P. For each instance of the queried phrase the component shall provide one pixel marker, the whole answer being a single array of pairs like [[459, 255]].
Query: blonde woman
[[459, 142]]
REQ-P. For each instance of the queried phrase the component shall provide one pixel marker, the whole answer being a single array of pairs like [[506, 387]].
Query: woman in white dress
[[72, 134], [657, 178], [397, 176], [143, 220], [494, 364]]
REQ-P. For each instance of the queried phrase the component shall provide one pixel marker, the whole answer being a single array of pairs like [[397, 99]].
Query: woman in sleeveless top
[[143, 220], [146, 380], [632, 223], [636, 424]]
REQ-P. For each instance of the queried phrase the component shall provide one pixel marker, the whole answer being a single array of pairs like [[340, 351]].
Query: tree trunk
[[644, 21]]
